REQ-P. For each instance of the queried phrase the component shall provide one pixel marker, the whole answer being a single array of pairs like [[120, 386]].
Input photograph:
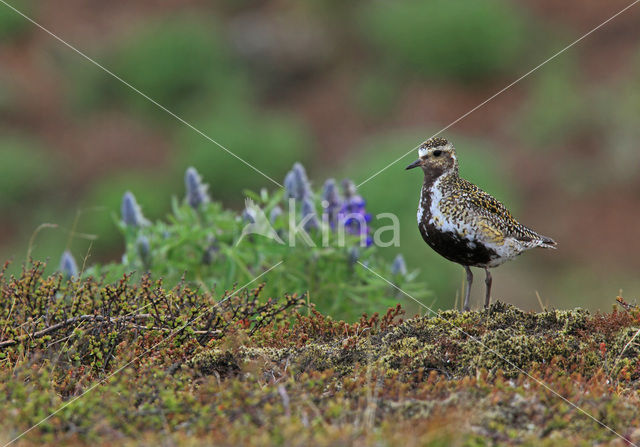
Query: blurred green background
[[345, 88]]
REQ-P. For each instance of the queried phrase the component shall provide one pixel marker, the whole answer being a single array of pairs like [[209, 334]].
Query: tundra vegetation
[[176, 345], [152, 364]]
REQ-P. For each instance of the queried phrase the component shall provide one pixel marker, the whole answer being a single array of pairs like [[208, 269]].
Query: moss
[[502, 340], [219, 362]]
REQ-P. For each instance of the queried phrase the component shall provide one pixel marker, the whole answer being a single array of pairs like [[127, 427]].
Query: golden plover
[[463, 223]]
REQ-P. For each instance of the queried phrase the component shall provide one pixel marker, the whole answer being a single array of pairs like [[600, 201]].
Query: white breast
[[443, 222]]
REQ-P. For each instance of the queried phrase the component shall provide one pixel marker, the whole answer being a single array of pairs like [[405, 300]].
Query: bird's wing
[[497, 222]]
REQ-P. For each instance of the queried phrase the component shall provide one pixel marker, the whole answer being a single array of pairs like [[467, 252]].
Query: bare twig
[[98, 318], [29, 249], [67, 322]]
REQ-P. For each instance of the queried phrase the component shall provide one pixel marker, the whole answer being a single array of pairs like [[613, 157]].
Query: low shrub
[[87, 361]]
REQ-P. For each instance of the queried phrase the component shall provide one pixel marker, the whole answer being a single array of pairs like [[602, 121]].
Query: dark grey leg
[[487, 281], [468, 290]]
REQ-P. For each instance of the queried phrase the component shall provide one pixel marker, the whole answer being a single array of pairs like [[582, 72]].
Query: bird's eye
[[437, 153]]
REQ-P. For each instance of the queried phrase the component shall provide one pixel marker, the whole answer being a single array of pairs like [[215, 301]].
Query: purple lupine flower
[[348, 188], [131, 212], [297, 184], [309, 213], [197, 193], [399, 267], [353, 214], [290, 185], [331, 201], [302, 182], [68, 265]]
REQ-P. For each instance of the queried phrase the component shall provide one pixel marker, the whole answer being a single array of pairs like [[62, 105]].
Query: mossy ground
[[280, 373]]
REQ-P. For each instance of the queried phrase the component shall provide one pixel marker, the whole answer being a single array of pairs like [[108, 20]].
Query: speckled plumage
[[463, 223]]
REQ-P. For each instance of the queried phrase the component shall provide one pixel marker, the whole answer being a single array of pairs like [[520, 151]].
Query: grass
[[192, 369]]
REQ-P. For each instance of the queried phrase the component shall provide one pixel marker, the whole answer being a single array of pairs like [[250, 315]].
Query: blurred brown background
[[345, 88]]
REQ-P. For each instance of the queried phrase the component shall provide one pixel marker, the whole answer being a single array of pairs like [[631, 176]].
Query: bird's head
[[436, 156]]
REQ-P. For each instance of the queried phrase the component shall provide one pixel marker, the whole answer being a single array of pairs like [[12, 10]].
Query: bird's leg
[[487, 281], [468, 290]]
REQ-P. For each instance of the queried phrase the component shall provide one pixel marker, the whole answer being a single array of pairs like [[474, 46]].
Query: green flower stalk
[[331, 201], [309, 215], [354, 256], [143, 248]]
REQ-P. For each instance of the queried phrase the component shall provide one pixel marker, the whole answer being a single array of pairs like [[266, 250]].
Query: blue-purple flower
[[349, 212], [68, 265], [399, 267], [296, 183], [290, 187], [331, 201], [197, 192], [353, 214], [131, 211]]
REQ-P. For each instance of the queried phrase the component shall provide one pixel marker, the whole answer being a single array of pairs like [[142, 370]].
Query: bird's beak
[[415, 164]]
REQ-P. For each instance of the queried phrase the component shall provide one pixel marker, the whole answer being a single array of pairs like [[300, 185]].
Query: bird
[[463, 223]]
